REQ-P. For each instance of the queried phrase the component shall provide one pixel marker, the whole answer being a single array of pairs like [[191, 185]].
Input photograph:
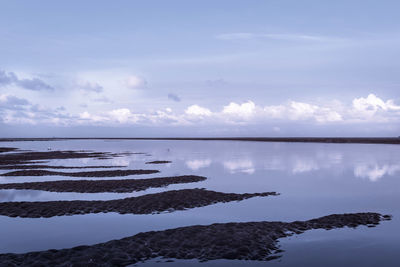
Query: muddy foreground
[[233, 241]]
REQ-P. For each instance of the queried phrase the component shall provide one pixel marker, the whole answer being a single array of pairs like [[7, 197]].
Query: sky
[[199, 68]]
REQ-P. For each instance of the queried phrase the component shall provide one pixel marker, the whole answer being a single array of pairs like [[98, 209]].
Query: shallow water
[[314, 180]]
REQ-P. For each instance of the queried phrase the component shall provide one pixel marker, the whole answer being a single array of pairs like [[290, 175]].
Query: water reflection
[[374, 172], [11, 194], [239, 165], [313, 179], [304, 165], [198, 164]]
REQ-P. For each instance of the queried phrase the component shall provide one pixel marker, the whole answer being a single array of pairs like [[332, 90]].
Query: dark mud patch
[[7, 149], [114, 186], [113, 173], [28, 167], [146, 204], [27, 157], [159, 162], [233, 241]]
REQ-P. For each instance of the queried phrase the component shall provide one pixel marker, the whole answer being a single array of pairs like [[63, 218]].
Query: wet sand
[[99, 174], [98, 186], [146, 204], [241, 241]]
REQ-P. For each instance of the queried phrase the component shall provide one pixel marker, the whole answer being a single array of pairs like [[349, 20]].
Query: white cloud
[[367, 108], [245, 110], [198, 111], [297, 111], [135, 82], [87, 117], [122, 115]]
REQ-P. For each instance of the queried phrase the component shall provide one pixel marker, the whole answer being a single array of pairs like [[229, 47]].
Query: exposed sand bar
[[241, 241], [112, 173], [98, 186], [146, 204], [359, 140]]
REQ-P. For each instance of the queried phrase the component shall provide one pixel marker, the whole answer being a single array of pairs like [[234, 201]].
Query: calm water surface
[[314, 180]]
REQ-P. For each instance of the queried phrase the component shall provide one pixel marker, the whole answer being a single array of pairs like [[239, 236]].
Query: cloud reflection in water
[[374, 172]]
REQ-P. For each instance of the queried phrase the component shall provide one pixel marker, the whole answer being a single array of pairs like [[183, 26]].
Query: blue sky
[[209, 68]]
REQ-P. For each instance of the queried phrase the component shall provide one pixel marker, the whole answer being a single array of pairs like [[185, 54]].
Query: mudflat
[[146, 204], [241, 241], [112, 173], [98, 186]]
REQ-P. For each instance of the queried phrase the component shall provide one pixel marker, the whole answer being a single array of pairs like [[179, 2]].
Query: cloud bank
[[362, 110]]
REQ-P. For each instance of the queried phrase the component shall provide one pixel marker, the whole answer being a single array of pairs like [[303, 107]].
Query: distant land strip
[[341, 140]]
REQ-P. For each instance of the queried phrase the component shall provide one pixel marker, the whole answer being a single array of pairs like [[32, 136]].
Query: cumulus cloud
[[122, 115], [135, 82], [372, 106], [246, 109], [35, 84], [196, 110], [370, 109], [174, 97]]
